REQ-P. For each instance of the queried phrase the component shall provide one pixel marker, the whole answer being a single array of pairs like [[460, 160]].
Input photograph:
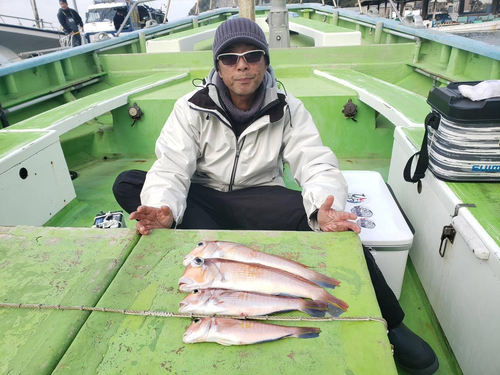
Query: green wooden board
[[320, 26], [48, 118], [485, 195], [408, 103], [182, 34], [52, 266], [111, 343], [10, 141]]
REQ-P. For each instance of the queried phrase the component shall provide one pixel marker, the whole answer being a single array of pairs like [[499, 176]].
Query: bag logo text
[[486, 168]]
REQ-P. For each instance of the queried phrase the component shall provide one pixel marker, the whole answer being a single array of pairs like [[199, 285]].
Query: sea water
[[490, 37]]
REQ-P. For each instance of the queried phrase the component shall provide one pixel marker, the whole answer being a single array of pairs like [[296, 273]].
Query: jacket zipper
[[235, 165]]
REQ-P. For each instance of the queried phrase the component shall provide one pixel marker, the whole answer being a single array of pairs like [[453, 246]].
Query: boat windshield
[[101, 15]]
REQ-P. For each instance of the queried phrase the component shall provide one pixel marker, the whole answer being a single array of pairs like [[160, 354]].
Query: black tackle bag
[[462, 138]]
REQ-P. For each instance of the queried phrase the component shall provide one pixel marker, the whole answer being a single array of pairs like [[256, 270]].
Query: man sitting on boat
[[220, 166]]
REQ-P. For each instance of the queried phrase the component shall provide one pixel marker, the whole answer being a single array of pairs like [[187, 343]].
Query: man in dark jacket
[[119, 18], [70, 20]]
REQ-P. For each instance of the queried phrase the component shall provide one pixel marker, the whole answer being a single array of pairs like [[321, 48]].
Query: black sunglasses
[[251, 57]]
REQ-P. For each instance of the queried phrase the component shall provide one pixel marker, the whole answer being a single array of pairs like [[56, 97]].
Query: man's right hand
[[152, 218]]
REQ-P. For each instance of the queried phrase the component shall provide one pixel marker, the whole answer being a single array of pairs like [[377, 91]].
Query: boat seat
[[182, 41], [70, 115], [324, 34], [33, 169], [402, 107]]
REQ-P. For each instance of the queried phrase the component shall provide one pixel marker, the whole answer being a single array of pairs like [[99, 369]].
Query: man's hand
[[152, 218], [330, 220]]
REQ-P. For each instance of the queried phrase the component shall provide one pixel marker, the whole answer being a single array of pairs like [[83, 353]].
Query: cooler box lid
[[381, 221], [450, 103]]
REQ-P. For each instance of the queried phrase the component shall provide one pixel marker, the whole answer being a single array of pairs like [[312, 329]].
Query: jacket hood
[[207, 98]]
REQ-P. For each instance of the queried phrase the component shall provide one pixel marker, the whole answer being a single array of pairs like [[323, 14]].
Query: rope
[[165, 314]]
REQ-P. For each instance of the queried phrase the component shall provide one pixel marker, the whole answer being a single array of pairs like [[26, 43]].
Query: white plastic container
[[383, 227]]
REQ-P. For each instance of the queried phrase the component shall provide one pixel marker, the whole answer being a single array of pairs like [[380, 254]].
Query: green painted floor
[[93, 189]]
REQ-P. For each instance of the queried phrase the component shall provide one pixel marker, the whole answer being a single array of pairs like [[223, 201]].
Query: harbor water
[[490, 37]]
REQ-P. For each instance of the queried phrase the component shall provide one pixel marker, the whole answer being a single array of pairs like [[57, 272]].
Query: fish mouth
[[187, 260], [185, 284]]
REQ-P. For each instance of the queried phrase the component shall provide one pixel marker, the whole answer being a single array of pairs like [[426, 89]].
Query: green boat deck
[[116, 269]]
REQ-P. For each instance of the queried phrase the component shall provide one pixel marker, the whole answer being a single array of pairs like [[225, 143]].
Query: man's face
[[242, 79], [63, 5]]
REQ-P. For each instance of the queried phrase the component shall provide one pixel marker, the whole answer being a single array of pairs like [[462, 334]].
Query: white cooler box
[[384, 229]]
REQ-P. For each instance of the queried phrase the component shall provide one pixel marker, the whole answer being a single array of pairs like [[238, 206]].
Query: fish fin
[[315, 308], [334, 311], [336, 302], [325, 281], [306, 332], [287, 295], [278, 338]]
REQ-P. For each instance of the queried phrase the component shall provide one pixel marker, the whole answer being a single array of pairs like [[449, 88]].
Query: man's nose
[[242, 64]]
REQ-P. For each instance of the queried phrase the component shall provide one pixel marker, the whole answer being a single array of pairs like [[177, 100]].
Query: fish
[[228, 274], [228, 302], [228, 332], [241, 253]]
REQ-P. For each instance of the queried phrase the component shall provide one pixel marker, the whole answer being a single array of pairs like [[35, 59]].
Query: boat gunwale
[[474, 46]]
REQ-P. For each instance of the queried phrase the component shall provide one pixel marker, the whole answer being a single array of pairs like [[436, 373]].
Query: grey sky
[[47, 9]]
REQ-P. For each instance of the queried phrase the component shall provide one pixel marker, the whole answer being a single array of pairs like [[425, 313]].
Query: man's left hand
[[330, 220]]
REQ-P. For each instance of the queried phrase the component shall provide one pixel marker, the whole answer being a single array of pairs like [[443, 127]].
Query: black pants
[[258, 208]]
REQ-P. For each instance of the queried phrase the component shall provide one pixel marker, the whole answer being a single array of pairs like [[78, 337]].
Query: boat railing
[[44, 25]]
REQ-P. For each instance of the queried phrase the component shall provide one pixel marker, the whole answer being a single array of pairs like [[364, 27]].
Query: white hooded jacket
[[197, 145]]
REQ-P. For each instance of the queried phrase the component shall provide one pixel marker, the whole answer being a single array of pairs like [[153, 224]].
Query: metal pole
[[211, 4], [35, 13], [396, 11], [126, 18], [359, 4], [76, 7], [434, 11], [247, 9], [197, 8], [166, 12]]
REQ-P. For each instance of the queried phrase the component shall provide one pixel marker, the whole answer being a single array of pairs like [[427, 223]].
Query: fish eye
[[198, 261], [200, 243], [197, 320], [196, 291]]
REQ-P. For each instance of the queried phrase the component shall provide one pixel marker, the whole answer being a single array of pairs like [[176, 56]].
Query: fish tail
[[306, 332], [336, 302], [325, 281], [314, 308], [334, 311]]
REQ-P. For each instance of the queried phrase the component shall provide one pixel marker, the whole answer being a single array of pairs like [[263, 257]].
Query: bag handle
[[431, 120]]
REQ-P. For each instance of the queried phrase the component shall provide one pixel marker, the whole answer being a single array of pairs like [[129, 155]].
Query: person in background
[[70, 21], [119, 18]]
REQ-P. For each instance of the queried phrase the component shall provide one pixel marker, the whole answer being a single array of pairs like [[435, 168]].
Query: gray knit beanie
[[239, 30]]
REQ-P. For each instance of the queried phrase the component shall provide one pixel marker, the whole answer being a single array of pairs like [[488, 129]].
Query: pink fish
[[228, 274], [242, 332], [241, 253], [227, 302]]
